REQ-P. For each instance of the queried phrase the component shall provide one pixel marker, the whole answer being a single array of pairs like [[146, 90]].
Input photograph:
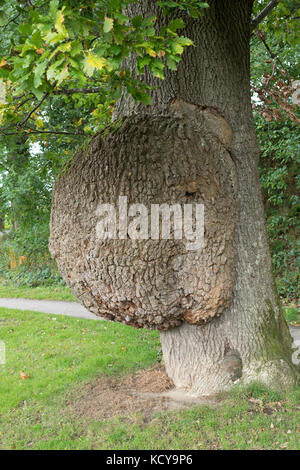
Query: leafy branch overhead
[[64, 48], [63, 45]]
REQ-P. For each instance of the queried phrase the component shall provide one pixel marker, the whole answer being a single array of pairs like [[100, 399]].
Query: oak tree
[[178, 76]]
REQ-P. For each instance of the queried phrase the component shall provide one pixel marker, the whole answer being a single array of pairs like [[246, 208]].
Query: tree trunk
[[251, 338]]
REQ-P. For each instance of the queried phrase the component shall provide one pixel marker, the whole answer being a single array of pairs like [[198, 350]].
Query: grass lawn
[[10, 290], [292, 314], [49, 359]]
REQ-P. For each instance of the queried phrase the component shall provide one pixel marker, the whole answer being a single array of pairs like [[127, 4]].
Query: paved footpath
[[73, 309], [56, 307], [295, 332]]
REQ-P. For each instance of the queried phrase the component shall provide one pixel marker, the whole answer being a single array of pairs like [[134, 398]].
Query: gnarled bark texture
[[146, 282], [196, 142]]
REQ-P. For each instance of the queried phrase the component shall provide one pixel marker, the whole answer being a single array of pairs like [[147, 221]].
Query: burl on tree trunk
[[215, 306], [149, 283]]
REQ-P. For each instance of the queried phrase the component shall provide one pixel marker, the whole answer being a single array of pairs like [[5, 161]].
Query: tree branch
[[18, 97], [21, 104], [28, 131], [21, 124], [33, 131], [12, 20], [71, 91], [261, 37], [261, 16]]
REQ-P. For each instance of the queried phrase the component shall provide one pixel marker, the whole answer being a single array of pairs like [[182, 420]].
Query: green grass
[[292, 314], [8, 289], [58, 351], [63, 353]]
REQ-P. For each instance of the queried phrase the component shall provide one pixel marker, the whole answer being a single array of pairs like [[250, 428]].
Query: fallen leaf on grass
[[23, 376]]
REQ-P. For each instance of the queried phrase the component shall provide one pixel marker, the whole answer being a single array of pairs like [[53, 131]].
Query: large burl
[[181, 158]]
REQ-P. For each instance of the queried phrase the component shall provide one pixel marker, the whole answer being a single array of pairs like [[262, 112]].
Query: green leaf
[[177, 48], [74, 63], [122, 19], [38, 92], [142, 97], [25, 29], [3, 18], [137, 21], [142, 62], [151, 52], [171, 64], [149, 21], [39, 123], [178, 23], [108, 24], [53, 8], [39, 72], [66, 47], [53, 69], [185, 41], [93, 62], [27, 47], [63, 74], [59, 26], [76, 48]]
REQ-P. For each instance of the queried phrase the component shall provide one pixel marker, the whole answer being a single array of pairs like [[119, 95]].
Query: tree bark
[[251, 339], [216, 307]]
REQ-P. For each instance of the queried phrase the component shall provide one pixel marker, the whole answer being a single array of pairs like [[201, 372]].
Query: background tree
[[61, 50], [274, 59]]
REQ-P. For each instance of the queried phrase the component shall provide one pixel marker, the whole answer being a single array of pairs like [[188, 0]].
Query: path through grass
[[10, 290]]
